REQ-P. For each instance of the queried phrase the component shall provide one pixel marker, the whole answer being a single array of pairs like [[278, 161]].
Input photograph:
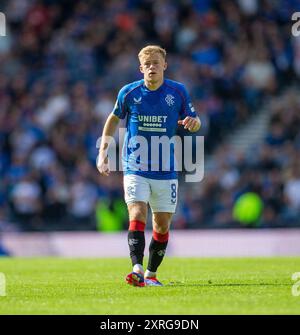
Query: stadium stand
[[63, 63]]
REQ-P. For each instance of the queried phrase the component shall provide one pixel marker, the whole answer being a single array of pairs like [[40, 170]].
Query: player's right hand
[[102, 164]]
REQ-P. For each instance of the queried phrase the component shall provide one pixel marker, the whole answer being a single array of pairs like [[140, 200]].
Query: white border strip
[[191, 243]]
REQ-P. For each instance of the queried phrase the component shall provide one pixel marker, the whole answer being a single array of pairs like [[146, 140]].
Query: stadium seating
[[63, 63]]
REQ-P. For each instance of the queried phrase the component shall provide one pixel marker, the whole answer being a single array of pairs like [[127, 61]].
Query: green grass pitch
[[192, 286]]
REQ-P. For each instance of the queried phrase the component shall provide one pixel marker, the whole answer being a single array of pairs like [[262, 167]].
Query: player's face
[[153, 67]]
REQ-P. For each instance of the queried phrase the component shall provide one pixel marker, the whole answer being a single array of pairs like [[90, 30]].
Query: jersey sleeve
[[187, 108], [120, 109]]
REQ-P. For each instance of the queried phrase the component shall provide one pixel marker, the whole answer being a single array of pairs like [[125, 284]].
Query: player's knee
[[137, 213], [161, 222], [137, 216], [161, 226], [161, 229]]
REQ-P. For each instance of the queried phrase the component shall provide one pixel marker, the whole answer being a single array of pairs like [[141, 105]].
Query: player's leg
[[136, 234], [161, 225], [163, 203], [137, 192]]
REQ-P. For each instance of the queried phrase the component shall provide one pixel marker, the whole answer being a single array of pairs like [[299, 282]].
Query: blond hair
[[152, 49]]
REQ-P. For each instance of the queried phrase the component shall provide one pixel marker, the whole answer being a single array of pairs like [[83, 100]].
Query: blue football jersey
[[151, 114]]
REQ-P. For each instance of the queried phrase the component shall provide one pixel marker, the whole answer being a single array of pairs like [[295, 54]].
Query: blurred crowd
[[271, 170], [62, 64]]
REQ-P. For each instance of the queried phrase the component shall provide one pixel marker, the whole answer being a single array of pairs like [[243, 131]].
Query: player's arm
[[109, 129], [190, 120], [193, 124], [111, 124]]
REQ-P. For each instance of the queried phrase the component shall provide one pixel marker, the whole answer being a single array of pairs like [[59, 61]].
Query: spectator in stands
[[64, 61], [26, 202]]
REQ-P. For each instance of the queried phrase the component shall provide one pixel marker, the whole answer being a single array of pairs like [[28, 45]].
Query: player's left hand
[[191, 123]]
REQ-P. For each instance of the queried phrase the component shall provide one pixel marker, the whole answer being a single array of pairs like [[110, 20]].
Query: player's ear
[[141, 69], [165, 66]]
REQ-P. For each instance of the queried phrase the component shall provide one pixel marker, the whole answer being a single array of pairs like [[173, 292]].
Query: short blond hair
[[152, 49]]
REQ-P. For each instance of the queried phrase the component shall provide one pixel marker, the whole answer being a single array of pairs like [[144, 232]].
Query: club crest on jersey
[[170, 99], [137, 101]]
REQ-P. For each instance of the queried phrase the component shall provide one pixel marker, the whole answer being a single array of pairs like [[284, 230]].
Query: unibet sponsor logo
[[152, 118]]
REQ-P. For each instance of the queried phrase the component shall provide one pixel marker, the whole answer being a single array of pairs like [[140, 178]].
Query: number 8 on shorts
[[173, 193]]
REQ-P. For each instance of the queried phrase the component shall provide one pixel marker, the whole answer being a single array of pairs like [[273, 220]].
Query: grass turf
[[192, 286]]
